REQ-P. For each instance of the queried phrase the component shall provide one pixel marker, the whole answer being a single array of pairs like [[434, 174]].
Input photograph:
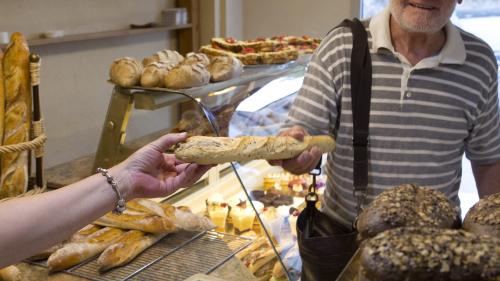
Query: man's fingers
[[166, 141]]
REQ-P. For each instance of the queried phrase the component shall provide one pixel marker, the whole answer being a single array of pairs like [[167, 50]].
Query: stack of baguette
[[171, 70], [118, 239], [259, 258], [15, 115]]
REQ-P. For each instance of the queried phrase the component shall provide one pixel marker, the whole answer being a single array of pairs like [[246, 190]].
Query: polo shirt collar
[[453, 51]]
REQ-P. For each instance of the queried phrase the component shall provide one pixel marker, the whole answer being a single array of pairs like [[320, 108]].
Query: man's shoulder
[[473, 42]]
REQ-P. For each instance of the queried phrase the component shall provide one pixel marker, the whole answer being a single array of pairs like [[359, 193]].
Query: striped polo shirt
[[422, 119]]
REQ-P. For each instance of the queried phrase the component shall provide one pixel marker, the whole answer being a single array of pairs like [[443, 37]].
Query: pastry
[[218, 150], [407, 205], [484, 217], [125, 72], [217, 210], [187, 76], [224, 68], [17, 118], [426, 253], [77, 252], [242, 215], [228, 43]]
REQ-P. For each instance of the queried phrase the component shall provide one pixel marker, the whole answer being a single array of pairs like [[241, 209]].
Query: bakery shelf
[[101, 35]]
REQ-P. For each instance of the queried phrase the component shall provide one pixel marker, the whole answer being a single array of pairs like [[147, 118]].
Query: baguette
[[77, 252], [125, 249], [138, 221], [218, 150], [186, 220], [14, 166], [146, 206], [84, 232]]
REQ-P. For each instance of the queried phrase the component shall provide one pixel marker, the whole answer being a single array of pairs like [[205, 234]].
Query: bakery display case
[[250, 204]]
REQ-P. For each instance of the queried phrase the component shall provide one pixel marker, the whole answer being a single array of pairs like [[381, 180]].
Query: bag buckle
[[360, 196]]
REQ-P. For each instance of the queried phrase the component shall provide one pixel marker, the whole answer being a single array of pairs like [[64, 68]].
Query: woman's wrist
[[123, 181]]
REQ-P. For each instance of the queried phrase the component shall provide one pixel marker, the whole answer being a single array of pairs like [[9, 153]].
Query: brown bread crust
[[138, 221], [414, 254], [217, 150], [74, 253], [407, 205], [17, 121], [484, 217]]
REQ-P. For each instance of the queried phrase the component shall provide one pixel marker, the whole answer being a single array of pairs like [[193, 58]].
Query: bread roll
[[217, 150], [125, 72], [187, 76], [484, 217], [10, 273], [17, 121], [154, 74], [168, 56], [138, 221], [194, 58], [224, 68], [126, 248], [407, 205], [419, 253], [77, 252]]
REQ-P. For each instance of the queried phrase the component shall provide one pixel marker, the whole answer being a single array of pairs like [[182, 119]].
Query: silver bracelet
[[120, 204]]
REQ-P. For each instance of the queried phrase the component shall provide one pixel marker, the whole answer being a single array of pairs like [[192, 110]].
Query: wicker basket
[[37, 143]]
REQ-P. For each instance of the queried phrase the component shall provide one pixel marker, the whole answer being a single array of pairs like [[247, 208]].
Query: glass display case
[[253, 205]]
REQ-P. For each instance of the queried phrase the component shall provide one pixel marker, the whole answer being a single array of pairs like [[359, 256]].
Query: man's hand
[[304, 162]]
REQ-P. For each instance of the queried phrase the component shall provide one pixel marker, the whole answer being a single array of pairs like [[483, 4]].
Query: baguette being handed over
[[217, 150]]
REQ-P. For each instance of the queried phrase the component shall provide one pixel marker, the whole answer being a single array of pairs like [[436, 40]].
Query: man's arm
[[487, 178]]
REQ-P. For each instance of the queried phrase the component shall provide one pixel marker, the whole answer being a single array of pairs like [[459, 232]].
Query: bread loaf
[[421, 253], [484, 217], [10, 273], [194, 58], [167, 56], [187, 76], [217, 150], [77, 252], [186, 220], [84, 232], [407, 205], [125, 72], [154, 74], [46, 253], [224, 68], [126, 248], [17, 121], [138, 221]]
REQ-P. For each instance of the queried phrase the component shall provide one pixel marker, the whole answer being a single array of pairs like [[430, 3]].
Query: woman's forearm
[[32, 224]]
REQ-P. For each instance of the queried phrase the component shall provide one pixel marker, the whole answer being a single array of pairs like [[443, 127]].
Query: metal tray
[[176, 257], [350, 272]]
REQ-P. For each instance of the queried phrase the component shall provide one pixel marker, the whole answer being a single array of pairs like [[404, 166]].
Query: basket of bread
[[21, 130], [415, 233]]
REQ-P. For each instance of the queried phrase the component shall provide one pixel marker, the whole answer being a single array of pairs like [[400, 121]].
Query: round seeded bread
[[416, 253], [407, 205], [484, 217]]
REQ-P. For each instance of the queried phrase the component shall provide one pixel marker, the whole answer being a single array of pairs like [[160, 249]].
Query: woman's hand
[[150, 172], [304, 162]]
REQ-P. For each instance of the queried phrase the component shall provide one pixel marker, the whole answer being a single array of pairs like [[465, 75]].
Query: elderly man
[[434, 97]]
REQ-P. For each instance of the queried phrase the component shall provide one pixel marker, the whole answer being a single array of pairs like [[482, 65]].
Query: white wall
[[294, 17], [74, 91]]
